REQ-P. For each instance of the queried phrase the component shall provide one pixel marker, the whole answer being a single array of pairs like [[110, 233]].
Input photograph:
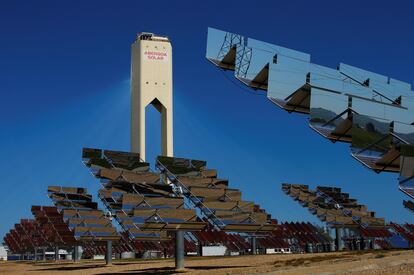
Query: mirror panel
[[370, 135], [329, 115], [221, 48], [288, 76]]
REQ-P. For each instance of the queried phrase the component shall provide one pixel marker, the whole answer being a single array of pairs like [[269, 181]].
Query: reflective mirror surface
[[329, 115]]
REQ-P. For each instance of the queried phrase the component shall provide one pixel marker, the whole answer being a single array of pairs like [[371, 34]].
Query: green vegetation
[[361, 138]]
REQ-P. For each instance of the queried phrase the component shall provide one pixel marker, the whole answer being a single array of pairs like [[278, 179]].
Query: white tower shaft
[[151, 83]]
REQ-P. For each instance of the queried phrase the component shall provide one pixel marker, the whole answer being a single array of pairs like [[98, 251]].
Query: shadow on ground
[[169, 270], [45, 264], [71, 268]]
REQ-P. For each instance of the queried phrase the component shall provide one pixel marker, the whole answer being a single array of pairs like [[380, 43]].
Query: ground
[[371, 262]]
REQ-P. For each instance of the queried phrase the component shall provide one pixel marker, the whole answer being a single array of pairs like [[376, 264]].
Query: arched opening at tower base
[[153, 131]]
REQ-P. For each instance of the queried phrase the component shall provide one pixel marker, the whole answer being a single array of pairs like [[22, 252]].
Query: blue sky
[[64, 84]]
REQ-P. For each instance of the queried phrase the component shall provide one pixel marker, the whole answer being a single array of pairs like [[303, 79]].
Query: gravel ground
[[374, 262]]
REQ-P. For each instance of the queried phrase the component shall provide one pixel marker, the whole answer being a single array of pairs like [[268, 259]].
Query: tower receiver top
[[152, 36]]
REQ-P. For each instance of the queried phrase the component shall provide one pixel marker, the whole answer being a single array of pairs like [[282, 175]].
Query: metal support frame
[[389, 163], [392, 135], [230, 39], [108, 205], [193, 200], [303, 99], [179, 249], [76, 256], [112, 211], [196, 201], [179, 234], [344, 211], [49, 221], [338, 137], [366, 84], [243, 59], [30, 240], [336, 117]]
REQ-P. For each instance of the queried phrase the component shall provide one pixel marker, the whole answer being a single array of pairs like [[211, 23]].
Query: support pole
[[200, 249], [253, 245], [76, 253], [179, 249], [339, 241], [108, 255], [35, 254], [56, 253]]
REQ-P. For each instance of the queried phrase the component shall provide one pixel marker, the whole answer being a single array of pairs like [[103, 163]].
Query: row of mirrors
[[181, 194], [333, 206], [372, 112], [81, 214], [147, 205]]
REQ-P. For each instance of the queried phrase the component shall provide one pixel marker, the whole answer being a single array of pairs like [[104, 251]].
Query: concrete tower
[[151, 83]]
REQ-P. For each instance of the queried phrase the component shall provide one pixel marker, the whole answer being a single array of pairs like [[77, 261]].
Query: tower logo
[[152, 55]]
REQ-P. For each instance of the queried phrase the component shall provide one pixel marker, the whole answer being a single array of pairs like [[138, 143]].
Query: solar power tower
[[153, 204], [151, 83], [372, 112]]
